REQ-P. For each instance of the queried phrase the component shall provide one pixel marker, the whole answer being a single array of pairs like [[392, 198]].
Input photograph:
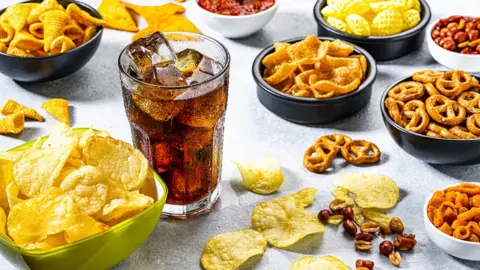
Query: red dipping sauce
[[236, 7]]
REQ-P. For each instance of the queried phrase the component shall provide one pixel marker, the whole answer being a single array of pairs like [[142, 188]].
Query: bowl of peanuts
[[451, 216], [434, 116], [455, 42]]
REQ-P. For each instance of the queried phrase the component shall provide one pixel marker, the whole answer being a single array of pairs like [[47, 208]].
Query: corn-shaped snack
[[61, 44], [18, 52], [6, 32], [43, 7], [388, 22], [26, 41], [73, 31], [36, 29], [82, 17], [403, 4], [89, 33], [12, 123], [117, 16], [3, 48], [11, 107], [338, 24], [54, 23], [411, 18], [16, 16], [58, 108], [358, 25]]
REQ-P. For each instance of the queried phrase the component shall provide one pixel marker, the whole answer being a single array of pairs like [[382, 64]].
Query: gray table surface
[[252, 131]]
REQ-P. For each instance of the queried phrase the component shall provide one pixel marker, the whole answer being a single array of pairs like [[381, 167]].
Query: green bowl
[[100, 251]]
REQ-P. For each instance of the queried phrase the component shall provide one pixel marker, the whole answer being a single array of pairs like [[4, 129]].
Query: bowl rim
[[430, 224], [391, 38], [160, 200], [402, 129], [445, 51], [237, 17], [257, 63], [83, 6]]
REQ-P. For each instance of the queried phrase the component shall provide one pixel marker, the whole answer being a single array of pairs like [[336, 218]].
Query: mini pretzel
[[360, 151], [431, 89], [395, 108], [453, 83], [414, 105], [407, 91], [462, 132], [337, 140], [473, 124], [433, 134], [441, 131], [444, 110], [416, 121], [319, 157], [427, 76], [471, 101]]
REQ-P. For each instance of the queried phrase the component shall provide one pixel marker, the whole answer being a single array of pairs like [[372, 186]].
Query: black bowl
[[381, 48], [312, 110], [49, 68], [428, 149]]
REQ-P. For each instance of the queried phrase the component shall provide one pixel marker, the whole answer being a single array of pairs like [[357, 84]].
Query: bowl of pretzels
[[434, 116]]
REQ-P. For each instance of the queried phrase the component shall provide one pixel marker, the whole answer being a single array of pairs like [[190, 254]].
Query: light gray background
[[252, 131]]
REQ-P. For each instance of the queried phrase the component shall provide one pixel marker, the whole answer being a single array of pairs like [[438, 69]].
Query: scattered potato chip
[[12, 123], [117, 16], [6, 33], [3, 222], [11, 106], [58, 108], [319, 263], [49, 162], [83, 226], [370, 190], [305, 196], [44, 6], [123, 204], [342, 194], [16, 16], [230, 250], [61, 44], [379, 218], [262, 175], [82, 17], [335, 220], [284, 221]]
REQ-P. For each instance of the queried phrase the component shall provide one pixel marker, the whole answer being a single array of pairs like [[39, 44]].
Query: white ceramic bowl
[[236, 26], [452, 60], [455, 247]]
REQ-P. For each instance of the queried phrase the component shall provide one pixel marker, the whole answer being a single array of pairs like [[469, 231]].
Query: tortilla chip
[[155, 15], [117, 16]]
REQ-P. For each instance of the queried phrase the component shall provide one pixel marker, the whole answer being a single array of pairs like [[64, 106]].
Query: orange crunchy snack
[[455, 211]]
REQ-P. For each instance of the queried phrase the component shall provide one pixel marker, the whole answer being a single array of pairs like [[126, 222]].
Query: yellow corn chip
[[36, 29], [58, 108], [6, 32], [41, 8], [54, 23], [155, 15], [26, 41], [3, 48], [73, 31], [39, 53], [12, 123], [82, 17], [11, 106], [117, 16], [61, 44], [89, 33], [18, 52], [16, 16]]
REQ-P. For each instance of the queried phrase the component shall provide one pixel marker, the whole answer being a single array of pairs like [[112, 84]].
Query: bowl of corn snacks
[[451, 216], [387, 29], [45, 40]]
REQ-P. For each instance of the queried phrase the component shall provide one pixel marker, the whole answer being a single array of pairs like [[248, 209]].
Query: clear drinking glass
[[180, 128]]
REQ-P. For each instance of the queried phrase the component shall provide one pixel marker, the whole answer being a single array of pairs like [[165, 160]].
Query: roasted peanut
[[435, 34], [474, 44], [364, 236], [460, 37], [443, 32], [472, 35], [370, 227], [450, 45], [466, 50], [348, 213], [363, 245], [324, 215], [384, 231], [350, 227], [338, 206], [386, 247], [469, 26], [452, 31], [404, 242], [395, 259], [365, 263], [454, 18], [396, 225], [438, 39], [443, 22], [463, 45]]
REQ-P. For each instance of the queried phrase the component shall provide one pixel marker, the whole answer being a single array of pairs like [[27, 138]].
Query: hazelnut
[[348, 213], [364, 236], [365, 263], [363, 245], [386, 247], [370, 227], [395, 259], [350, 227], [337, 206], [324, 215], [396, 225], [404, 242]]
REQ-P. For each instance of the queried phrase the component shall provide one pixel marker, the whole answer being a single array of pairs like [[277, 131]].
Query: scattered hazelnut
[[370, 227], [338, 206], [364, 263], [386, 247], [395, 259], [324, 215], [350, 227], [396, 225], [404, 242]]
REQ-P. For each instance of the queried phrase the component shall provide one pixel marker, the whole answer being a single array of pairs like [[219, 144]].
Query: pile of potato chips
[[46, 28], [163, 18], [70, 186], [372, 17], [314, 68], [281, 222], [15, 114]]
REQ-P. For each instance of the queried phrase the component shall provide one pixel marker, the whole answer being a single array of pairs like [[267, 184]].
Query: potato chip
[[305, 196], [12, 123], [335, 220], [51, 241], [388, 22], [3, 48], [61, 44], [338, 24], [122, 205], [262, 176], [411, 18], [12, 193], [370, 190], [11, 106], [284, 221], [54, 22], [49, 162], [6, 32], [155, 15], [358, 25], [319, 263], [120, 161], [83, 226], [117, 16], [342, 194], [6, 177], [46, 5], [379, 218], [230, 250], [285, 70], [82, 17], [16, 16], [3, 222], [32, 220], [58, 108], [61, 136]]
